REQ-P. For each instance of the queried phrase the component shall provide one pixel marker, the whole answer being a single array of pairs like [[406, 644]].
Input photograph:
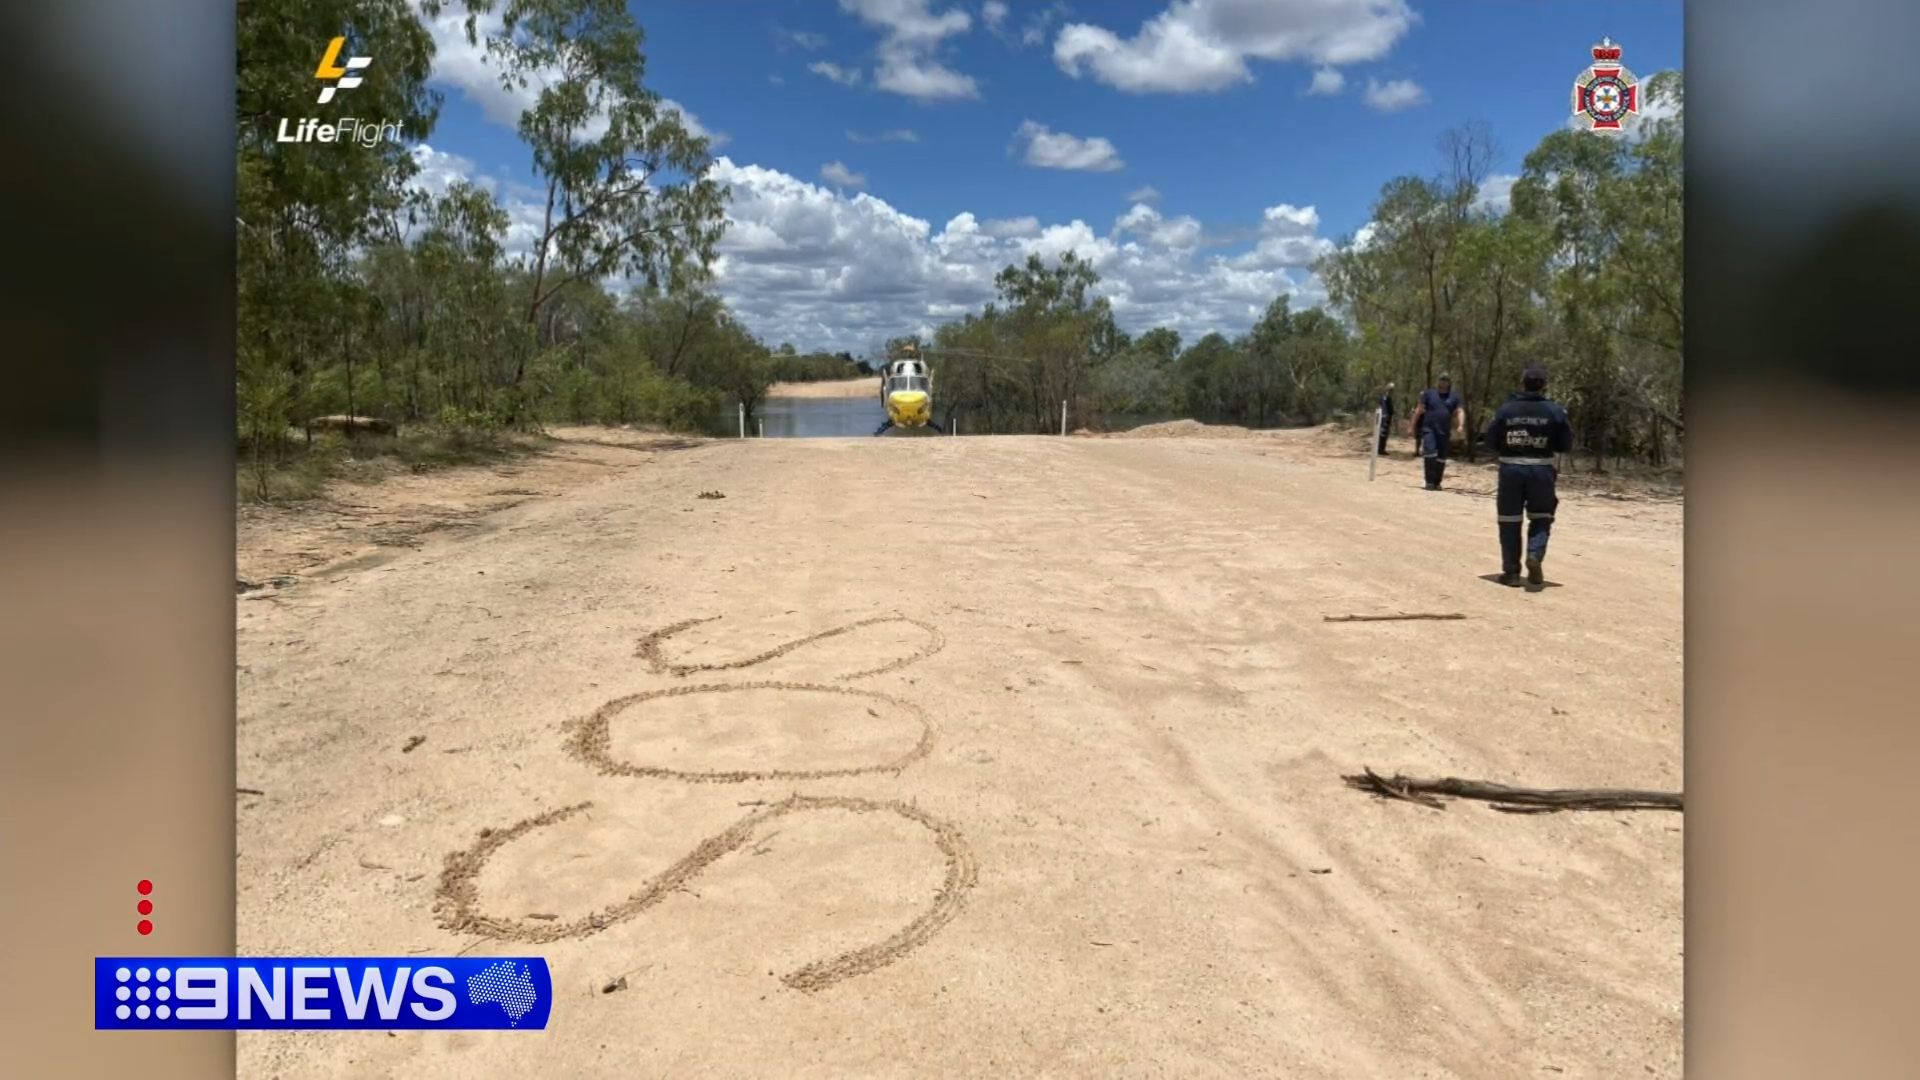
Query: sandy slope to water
[[839, 388]]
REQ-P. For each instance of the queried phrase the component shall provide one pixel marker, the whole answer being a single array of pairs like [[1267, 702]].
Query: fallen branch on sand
[[1392, 618], [1512, 800]]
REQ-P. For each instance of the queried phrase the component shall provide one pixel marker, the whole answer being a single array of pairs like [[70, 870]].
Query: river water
[[811, 418]]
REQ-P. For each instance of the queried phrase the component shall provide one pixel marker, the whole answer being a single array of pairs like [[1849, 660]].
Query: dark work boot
[[1510, 578], [1535, 575]]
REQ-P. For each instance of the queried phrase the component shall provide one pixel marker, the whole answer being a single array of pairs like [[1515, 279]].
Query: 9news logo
[[328, 993]]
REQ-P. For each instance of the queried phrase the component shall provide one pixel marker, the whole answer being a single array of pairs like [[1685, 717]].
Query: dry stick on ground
[[1512, 800], [1392, 618]]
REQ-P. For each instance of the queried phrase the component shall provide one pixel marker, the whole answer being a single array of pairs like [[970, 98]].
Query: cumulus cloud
[[1327, 82], [845, 76], [467, 68], [996, 17], [1495, 194], [912, 33], [840, 176], [1011, 227], [897, 135], [1144, 195], [1181, 234], [826, 267], [1059, 150], [1289, 238], [438, 170], [825, 270], [1394, 95], [1201, 46]]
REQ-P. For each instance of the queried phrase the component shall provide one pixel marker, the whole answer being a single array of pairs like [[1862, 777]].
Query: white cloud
[[525, 208], [807, 40], [1394, 95], [1327, 82], [840, 176], [836, 269], [913, 32], [1363, 236], [1059, 150], [777, 80], [1144, 195], [1012, 227], [923, 79], [1495, 194], [1289, 238], [1199, 46], [1035, 32], [1181, 234], [438, 170], [843, 75], [467, 68], [897, 135], [993, 13]]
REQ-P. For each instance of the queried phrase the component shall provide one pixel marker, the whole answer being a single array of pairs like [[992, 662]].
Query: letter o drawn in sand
[[591, 739], [458, 892]]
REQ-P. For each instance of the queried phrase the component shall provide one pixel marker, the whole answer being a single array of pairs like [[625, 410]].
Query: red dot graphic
[[146, 927], [146, 907], [145, 887]]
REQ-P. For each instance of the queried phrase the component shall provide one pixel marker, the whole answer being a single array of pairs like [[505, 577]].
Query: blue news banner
[[332, 993]]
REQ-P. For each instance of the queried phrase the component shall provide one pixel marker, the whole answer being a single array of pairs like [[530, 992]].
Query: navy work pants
[[1434, 447], [1525, 494]]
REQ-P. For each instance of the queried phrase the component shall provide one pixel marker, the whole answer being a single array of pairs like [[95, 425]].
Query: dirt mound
[[1185, 429]]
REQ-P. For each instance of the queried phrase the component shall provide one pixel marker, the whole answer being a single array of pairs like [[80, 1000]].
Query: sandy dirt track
[[1061, 799], [838, 388]]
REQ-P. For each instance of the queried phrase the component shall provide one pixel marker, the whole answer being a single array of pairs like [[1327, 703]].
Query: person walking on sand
[[1436, 420], [1386, 416], [1527, 434]]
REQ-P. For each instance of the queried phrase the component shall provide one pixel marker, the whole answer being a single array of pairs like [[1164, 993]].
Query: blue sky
[[1201, 151]]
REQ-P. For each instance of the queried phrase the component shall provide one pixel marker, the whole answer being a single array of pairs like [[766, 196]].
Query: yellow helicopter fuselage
[[907, 393]]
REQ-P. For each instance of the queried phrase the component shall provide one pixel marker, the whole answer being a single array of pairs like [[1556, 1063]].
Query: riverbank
[[838, 388]]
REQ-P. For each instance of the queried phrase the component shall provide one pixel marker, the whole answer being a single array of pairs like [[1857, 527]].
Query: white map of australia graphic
[[506, 985]]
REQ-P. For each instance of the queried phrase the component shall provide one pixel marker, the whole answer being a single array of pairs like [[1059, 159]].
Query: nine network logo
[[227, 993], [338, 76]]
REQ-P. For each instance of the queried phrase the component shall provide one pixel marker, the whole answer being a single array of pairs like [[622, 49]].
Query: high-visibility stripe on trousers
[[1525, 493]]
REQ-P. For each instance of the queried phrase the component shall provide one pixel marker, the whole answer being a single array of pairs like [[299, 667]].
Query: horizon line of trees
[[360, 293], [1581, 273]]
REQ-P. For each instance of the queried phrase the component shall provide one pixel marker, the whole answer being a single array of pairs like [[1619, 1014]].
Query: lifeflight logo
[[338, 76], [346, 77]]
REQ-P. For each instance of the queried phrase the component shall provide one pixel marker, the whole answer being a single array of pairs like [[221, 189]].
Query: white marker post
[[1063, 418], [743, 419], [1373, 445]]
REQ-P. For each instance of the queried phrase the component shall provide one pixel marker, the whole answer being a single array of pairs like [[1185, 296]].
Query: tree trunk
[[346, 347], [539, 279]]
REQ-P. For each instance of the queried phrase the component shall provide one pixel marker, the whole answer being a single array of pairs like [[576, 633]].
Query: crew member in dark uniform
[[1435, 420], [1386, 416], [1527, 434]]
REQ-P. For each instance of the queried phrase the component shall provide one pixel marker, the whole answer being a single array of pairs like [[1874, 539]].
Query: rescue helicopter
[[906, 391]]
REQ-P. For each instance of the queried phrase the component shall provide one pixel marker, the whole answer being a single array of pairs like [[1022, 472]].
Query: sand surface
[[838, 388], [1029, 769]]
